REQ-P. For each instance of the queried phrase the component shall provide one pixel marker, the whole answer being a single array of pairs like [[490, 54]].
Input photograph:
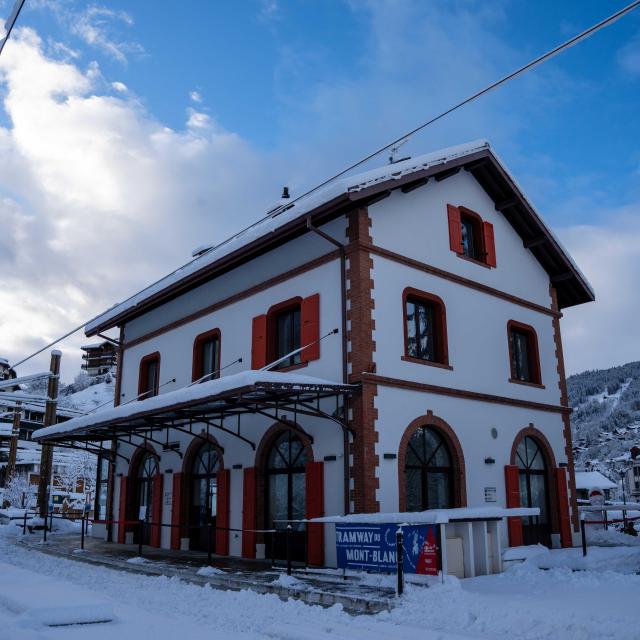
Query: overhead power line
[[587, 33], [11, 20]]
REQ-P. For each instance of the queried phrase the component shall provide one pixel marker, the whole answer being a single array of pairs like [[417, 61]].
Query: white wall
[[422, 214]]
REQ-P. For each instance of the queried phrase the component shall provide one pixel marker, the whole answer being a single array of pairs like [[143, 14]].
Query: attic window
[[470, 236]]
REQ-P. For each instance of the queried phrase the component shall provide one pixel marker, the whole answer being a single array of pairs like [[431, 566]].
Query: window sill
[[429, 363], [537, 385], [474, 261], [292, 367]]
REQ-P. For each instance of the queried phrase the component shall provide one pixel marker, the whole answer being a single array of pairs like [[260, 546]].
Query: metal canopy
[[278, 401]]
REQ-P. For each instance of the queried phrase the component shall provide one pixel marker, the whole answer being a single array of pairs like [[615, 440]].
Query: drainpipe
[[343, 291]]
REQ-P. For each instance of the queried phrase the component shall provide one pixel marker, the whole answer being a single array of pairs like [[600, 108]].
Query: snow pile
[[524, 553], [137, 560], [598, 536], [209, 571], [291, 582], [39, 599]]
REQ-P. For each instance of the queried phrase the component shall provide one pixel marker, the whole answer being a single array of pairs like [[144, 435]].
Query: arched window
[[204, 494], [533, 490], [286, 490], [428, 471], [147, 469]]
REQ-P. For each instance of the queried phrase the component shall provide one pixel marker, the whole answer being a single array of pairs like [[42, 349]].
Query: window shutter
[[176, 511], [259, 342], [122, 510], [156, 510], [310, 327], [315, 509], [560, 476], [455, 228], [514, 525], [249, 491], [222, 513], [489, 244]]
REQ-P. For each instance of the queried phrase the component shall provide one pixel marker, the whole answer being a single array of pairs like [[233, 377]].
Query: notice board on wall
[[372, 547]]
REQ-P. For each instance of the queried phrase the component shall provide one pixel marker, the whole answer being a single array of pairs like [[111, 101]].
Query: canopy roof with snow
[[593, 480], [265, 393], [288, 221]]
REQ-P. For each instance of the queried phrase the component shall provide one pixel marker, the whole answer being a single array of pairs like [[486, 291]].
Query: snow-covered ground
[[525, 602]]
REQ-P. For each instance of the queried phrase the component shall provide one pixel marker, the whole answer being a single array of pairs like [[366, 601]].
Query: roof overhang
[[571, 285], [217, 405]]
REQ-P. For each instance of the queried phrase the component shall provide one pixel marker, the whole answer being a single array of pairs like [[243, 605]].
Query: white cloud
[[605, 333], [119, 86], [195, 96], [99, 198], [97, 27]]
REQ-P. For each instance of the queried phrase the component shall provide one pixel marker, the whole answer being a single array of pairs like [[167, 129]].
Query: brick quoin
[[361, 357], [564, 401]]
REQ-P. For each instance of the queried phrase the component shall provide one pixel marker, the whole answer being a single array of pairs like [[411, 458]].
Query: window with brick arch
[[206, 356], [149, 376], [523, 353], [428, 472], [425, 327]]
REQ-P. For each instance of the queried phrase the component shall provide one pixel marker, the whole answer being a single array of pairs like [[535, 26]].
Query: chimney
[[285, 193]]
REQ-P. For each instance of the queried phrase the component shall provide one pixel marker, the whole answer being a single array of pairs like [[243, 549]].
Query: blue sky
[[213, 96]]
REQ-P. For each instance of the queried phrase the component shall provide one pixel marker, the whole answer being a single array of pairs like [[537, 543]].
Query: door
[[147, 469], [534, 492], [204, 494], [286, 497]]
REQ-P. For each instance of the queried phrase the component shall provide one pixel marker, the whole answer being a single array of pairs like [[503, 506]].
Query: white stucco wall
[[421, 215]]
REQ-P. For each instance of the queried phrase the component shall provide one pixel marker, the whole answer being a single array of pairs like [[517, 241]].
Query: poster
[[372, 547]]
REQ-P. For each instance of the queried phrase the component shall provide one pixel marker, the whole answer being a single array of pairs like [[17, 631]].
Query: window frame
[[533, 354], [143, 375], [440, 328], [197, 363], [479, 241], [272, 332]]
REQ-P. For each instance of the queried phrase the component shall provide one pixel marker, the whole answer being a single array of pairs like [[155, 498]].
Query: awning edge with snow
[[232, 395], [430, 516]]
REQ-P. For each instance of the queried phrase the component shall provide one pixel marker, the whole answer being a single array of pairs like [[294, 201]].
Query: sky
[[132, 132]]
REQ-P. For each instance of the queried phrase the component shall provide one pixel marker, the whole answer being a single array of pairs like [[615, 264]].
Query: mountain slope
[[606, 416]]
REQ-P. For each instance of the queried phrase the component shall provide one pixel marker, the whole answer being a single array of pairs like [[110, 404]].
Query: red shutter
[[156, 510], [310, 330], [455, 228], [222, 513], [249, 492], [176, 511], [560, 476], [514, 525], [122, 510], [259, 342], [315, 509], [489, 244]]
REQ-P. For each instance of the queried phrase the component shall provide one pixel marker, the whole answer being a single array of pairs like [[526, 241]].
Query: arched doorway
[[429, 472], [534, 491], [203, 496], [144, 481], [285, 499]]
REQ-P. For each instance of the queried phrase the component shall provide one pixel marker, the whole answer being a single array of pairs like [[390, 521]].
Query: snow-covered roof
[[430, 516], [205, 391], [593, 480], [282, 215]]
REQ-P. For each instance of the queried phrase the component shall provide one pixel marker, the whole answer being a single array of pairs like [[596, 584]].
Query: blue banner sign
[[372, 547]]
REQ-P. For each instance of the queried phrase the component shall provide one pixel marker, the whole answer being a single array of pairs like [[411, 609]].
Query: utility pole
[[13, 446], [50, 418]]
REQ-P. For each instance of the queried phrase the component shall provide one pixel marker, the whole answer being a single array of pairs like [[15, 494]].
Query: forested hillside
[[606, 416]]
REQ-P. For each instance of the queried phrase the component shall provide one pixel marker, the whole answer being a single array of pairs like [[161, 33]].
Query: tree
[[78, 471], [18, 492]]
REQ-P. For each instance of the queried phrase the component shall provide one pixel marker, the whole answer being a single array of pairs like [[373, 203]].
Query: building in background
[[99, 357]]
